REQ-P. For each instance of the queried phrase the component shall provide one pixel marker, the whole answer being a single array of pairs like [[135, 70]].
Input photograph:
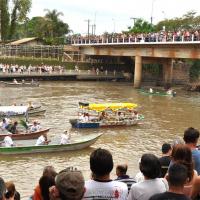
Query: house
[[28, 41]]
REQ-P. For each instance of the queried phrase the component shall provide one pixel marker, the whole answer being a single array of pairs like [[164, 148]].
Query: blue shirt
[[196, 158]]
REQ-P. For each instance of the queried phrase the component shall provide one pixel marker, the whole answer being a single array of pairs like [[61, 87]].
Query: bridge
[[143, 52]]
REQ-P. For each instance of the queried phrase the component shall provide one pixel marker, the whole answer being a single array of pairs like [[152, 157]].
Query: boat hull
[[7, 84], [81, 143], [25, 136], [156, 93]]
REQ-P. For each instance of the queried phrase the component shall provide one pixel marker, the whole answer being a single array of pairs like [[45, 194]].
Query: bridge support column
[[168, 71], [138, 72]]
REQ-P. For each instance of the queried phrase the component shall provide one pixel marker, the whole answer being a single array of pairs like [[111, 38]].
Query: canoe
[[105, 123], [11, 84], [156, 93], [77, 144], [24, 136]]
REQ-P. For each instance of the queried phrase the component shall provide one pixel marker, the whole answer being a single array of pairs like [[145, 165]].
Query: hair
[[191, 135], [177, 175], [49, 171], [182, 154], [166, 147], [45, 183], [122, 169], [150, 166], [2, 189], [101, 162]]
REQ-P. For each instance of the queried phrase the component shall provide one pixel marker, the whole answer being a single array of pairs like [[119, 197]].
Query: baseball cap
[[70, 184]]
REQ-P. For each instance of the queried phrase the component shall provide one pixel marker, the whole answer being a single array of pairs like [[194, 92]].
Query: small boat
[[76, 144], [125, 115], [20, 111], [24, 135], [20, 84], [156, 93]]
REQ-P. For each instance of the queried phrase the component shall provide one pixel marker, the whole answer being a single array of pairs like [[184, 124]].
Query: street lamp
[[134, 19], [113, 25]]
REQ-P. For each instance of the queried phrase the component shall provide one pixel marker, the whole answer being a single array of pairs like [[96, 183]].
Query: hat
[[70, 184]]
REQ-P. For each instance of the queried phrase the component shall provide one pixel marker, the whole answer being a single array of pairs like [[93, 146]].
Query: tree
[[141, 26], [18, 14], [4, 16]]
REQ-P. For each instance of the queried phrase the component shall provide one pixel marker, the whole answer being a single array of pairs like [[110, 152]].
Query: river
[[165, 120]]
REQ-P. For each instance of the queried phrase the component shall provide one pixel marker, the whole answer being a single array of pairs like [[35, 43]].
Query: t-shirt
[[169, 196], [110, 190], [8, 142], [145, 189], [126, 179], [64, 139], [164, 161], [40, 141], [196, 157]]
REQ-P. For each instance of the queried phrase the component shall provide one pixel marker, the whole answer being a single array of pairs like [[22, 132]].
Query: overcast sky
[[112, 15]]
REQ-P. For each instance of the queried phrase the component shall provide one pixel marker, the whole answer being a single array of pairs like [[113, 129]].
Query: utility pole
[[0, 24], [134, 19], [152, 7], [88, 22]]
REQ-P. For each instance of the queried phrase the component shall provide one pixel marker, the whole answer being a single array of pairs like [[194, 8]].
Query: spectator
[[191, 137], [2, 189], [165, 159], [101, 186], [69, 185], [152, 184], [176, 178], [39, 190], [123, 177], [11, 193]]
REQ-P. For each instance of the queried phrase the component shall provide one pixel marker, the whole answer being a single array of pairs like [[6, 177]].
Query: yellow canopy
[[112, 106]]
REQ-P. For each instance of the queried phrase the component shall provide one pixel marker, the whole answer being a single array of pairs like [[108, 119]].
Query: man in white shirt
[[8, 142], [101, 186], [42, 140], [65, 138], [35, 127]]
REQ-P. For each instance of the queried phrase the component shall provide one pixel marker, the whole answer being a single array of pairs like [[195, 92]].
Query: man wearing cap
[[101, 186], [69, 185]]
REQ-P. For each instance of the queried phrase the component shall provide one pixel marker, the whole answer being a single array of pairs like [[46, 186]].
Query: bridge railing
[[136, 40]]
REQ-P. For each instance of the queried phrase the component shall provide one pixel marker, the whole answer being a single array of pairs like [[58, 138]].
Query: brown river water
[[165, 120]]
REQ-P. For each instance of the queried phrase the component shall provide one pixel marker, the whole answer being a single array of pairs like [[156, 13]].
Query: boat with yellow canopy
[[106, 115]]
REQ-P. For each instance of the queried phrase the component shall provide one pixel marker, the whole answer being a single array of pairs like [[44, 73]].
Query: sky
[[112, 15]]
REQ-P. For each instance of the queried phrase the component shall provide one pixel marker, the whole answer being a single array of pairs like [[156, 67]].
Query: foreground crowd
[[173, 176]]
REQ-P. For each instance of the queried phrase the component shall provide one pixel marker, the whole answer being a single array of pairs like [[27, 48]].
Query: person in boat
[[169, 91], [8, 142], [4, 124], [65, 138], [42, 140], [150, 90], [15, 81], [35, 127], [30, 105], [84, 117], [13, 128], [23, 81], [103, 116]]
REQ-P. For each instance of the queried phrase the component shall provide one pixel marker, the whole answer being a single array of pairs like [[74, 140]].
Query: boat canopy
[[109, 106], [13, 110]]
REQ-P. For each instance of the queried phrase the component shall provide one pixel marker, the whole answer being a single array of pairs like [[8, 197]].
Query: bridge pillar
[[168, 71], [138, 71]]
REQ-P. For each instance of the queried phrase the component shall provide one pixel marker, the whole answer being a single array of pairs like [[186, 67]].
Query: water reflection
[[165, 120]]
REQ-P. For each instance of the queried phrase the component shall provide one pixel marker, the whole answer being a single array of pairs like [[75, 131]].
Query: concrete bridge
[[145, 52]]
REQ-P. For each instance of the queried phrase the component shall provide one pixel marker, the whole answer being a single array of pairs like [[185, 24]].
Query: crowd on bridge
[[175, 175], [161, 36]]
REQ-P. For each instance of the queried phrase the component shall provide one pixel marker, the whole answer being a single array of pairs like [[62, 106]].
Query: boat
[[115, 114], [76, 144], [20, 111], [156, 93], [20, 84], [24, 135]]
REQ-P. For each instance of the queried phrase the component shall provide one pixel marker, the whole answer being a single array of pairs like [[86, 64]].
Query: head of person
[[49, 171], [191, 135], [150, 166], [70, 185], [101, 162], [2, 189], [121, 170], [15, 123], [177, 175], [182, 154], [45, 183], [166, 148], [10, 187], [4, 120], [35, 123]]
